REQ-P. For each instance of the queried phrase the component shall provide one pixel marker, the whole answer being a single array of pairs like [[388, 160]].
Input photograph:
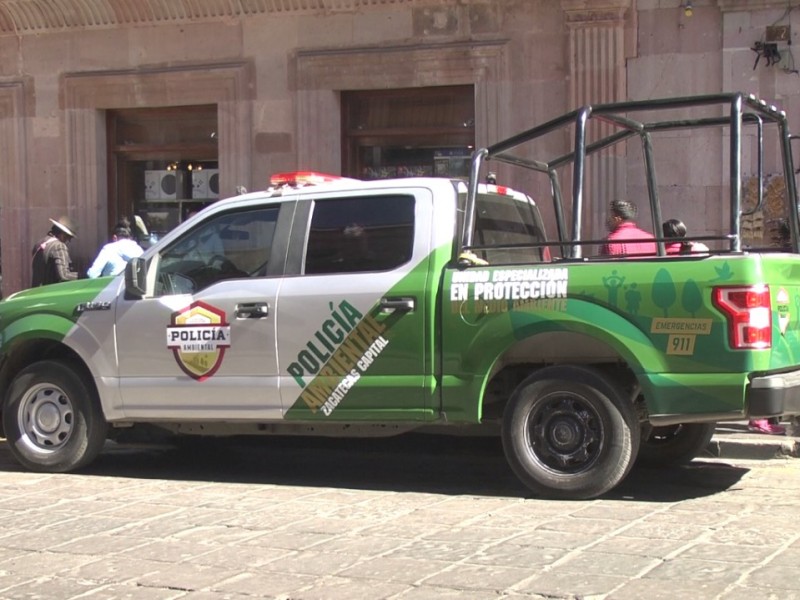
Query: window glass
[[355, 235], [408, 132], [504, 221], [227, 246]]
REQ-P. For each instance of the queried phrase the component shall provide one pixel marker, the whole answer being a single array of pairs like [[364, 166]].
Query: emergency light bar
[[302, 178]]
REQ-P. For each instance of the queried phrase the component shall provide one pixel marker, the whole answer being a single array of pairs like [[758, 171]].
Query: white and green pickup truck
[[352, 308]]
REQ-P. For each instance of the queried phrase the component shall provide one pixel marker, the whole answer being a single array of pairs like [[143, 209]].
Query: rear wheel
[[52, 420], [675, 444], [569, 433]]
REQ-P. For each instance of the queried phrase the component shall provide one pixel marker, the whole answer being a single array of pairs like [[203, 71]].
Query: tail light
[[749, 315]]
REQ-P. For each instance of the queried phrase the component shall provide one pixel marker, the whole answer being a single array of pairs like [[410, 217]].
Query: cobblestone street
[[407, 518]]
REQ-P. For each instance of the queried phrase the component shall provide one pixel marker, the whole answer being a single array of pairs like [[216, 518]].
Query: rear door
[[355, 322]]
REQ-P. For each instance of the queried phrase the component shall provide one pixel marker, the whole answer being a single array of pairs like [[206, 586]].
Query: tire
[[52, 419], [674, 444], [569, 433]]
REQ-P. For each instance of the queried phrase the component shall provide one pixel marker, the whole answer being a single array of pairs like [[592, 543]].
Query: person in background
[[113, 257], [51, 262], [772, 426], [625, 237], [676, 229], [768, 426]]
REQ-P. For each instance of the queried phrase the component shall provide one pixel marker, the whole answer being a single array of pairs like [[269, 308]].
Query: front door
[[203, 347]]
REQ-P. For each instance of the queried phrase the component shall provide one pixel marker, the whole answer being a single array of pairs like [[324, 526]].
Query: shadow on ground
[[449, 465]]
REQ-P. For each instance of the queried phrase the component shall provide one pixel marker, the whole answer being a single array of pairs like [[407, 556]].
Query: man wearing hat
[[51, 262]]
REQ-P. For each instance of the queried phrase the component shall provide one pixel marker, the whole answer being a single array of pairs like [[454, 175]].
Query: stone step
[[735, 441]]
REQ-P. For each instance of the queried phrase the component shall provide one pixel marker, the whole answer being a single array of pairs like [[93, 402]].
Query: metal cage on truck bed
[[732, 112]]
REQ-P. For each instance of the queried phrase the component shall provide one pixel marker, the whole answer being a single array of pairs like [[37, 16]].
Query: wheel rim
[[564, 433], [46, 417]]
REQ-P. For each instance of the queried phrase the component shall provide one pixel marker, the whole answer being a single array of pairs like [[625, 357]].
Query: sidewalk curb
[[733, 440], [779, 447]]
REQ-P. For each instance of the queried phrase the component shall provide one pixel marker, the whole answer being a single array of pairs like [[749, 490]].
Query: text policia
[[342, 349]]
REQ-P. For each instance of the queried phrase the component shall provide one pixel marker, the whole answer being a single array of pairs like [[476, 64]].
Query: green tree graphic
[[691, 298], [724, 273], [664, 294]]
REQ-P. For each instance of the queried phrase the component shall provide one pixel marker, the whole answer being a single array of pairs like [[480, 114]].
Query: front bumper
[[774, 395]]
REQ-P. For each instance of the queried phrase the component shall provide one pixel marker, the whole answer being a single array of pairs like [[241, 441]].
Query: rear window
[[513, 226]]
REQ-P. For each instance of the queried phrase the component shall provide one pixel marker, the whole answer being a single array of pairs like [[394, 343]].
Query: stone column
[[13, 192], [601, 35]]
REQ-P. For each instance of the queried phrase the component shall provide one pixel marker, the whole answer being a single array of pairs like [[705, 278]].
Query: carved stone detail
[[321, 73], [17, 16], [597, 42]]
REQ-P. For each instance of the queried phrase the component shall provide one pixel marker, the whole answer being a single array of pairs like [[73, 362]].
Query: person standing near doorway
[[113, 257], [51, 261]]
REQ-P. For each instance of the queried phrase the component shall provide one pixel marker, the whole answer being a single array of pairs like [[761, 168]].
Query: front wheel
[[52, 419], [675, 444], [569, 433]]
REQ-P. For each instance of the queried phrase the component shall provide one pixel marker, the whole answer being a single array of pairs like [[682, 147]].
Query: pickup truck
[[337, 307]]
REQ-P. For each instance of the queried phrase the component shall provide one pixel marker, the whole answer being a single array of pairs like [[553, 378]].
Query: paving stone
[[341, 588], [703, 571], [651, 589], [598, 563], [266, 585], [579, 586], [401, 570], [480, 577]]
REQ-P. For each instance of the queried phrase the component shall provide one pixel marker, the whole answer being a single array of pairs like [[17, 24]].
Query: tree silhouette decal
[[691, 298], [664, 294], [724, 273]]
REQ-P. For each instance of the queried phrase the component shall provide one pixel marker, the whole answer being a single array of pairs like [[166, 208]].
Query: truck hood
[[58, 297]]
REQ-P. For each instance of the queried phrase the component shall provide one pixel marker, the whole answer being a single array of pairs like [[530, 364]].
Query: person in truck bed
[[676, 229], [625, 236]]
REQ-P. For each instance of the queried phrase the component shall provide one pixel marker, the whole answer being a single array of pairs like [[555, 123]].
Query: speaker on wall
[[172, 185], [213, 182], [199, 184], [152, 184]]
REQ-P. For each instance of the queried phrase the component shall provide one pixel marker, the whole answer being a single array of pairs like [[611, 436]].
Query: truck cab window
[[357, 235], [227, 246]]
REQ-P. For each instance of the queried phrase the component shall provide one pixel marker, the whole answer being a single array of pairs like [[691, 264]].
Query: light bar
[[302, 178]]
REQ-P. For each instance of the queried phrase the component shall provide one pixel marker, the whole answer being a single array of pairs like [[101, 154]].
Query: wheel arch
[[25, 352], [559, 347]]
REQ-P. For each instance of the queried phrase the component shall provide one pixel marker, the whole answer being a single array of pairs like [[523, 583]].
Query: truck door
[[354, 325], [203, 346]]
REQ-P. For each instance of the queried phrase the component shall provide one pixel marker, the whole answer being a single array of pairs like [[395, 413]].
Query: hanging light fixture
[[688, 9]]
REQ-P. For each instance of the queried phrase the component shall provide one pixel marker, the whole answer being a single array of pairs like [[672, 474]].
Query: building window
[[164, 166], [408, 132]]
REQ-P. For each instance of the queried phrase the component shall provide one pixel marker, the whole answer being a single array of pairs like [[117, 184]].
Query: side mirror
[[136, 278]]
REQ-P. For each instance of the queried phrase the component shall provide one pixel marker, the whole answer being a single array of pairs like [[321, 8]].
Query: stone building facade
[[274, 76]]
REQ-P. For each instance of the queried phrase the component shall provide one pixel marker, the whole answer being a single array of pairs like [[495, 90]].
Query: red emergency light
[[302, 178]]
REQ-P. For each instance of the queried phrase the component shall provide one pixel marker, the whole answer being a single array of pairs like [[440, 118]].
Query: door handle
[[398, 304], [256, 310]]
